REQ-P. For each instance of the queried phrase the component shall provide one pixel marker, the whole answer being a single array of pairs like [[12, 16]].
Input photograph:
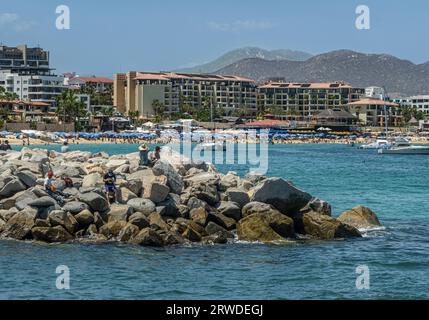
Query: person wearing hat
[[51, 190], [154, 156], [144, 158]]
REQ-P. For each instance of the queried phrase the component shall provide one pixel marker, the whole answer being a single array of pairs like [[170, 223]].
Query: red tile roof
[[373, 101], [310, 85], [93, 79]]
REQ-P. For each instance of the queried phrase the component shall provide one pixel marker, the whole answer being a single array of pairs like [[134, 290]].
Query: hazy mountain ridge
[[245, 53], [399, 77]]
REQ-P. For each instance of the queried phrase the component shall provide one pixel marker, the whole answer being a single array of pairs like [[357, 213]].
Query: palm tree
[[70, 108], [158, 109], [134, 116]]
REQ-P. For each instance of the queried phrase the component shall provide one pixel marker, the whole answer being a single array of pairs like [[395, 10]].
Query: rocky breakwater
[[175, 202]]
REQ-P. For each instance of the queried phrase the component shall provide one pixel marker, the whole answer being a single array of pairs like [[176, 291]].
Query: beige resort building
[[136, 91]]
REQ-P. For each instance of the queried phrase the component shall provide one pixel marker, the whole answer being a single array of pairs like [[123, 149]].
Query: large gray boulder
[[238, 195], [230, 210], [92, 180], [12, 187], [125, 195], [27, 178], [74, 207], [95, 201], [174, 179], [144, 206], [112, 229], [140, 220], [158, 190], [360, 217], [43, 202], [281, 194]]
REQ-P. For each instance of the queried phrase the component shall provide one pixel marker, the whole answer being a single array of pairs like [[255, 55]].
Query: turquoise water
[[398, 257]]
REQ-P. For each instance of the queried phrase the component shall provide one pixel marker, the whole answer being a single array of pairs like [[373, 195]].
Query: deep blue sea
[[395, 187]]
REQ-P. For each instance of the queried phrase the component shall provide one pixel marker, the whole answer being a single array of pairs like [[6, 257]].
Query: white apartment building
[[374, 92], [25, 71], [420, 102]]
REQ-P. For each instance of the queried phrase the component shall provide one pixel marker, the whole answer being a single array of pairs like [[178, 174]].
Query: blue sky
[[114, 36]]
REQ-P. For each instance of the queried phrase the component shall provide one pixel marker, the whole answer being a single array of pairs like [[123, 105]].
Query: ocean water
[[395, 187]]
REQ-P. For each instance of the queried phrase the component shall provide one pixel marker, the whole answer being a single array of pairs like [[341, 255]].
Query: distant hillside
[[399, 77], [245, 53]]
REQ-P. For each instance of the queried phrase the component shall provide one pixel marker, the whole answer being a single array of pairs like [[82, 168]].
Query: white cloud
[[240, 25], [13, 22]]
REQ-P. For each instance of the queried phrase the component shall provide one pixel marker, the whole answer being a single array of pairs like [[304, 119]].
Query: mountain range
[[399, 77], [246, 53]]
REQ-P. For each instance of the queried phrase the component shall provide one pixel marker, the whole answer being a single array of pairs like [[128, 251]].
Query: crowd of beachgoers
[[207, 137]]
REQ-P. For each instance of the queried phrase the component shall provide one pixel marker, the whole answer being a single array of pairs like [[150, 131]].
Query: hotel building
[[303, 101], [372, 112], [421, 103], [25, 71], [136, 91]]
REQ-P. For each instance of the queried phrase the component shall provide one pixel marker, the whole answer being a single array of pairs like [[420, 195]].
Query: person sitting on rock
[[52, 190], [65, 148], [144, 150], [109, 184], [154, 156]]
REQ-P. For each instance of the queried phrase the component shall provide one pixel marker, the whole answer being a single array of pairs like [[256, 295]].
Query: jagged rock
[[74, 207], [116, 163], [139, 219], [119, 212], [95, 201], [7, 214], [324, 227], [239, 196], [128, 232], [91, 231], [98, 220], [20, 224], [157, 222], [360, 217], [223, 221], [228, 181], [135, 186], [92, 180], [199, 216], [43, 202], [254, 177], [170, 207], [317, 205], [20, 199], [213, 228], [125, 168], [42, 223], [174, 180], [193, 232], [194, 203], [256, 227], [281, 194], [230, 210], [172, 238], [158, 190], [85, 218], [69, 171], [216, 238], [202, 178], [256, 207], [51, 234], [144, 206], [64, 219], [125, 195], [2, 225], [27, 178], [112, 229], [148, 237], [205, 192], [41, 192], [11, 188]]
